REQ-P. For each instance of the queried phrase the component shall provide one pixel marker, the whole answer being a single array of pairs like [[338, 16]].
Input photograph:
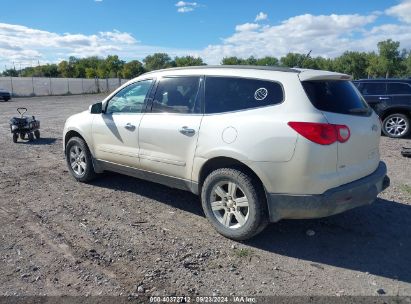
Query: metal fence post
[[98, 84], [50, 91], [82, 86], [108, 90], [11, 82], [68, 86], [32, 83]]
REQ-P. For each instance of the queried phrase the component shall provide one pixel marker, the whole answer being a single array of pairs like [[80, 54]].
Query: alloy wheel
[[78, 160], [396, 126], [229, 204]]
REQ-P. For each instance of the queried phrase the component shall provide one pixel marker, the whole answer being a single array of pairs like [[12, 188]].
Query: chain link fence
[[42, 86]]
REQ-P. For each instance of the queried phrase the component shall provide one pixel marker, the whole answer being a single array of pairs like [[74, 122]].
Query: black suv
[[391, 100], [5, 95]]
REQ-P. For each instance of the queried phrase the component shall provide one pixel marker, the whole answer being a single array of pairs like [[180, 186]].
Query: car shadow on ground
[[374, 239], [179, 199], [38, 142]]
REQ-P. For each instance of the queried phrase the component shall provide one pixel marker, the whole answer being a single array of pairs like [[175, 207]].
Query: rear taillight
[[321, 133], [343, 133]]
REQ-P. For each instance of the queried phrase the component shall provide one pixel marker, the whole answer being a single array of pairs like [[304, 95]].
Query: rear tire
[[37, 134], [30, 136], [79, 160], [234, 203], [15, 137], [396, 125]]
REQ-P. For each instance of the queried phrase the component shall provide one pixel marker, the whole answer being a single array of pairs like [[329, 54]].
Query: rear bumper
[[336, 200]]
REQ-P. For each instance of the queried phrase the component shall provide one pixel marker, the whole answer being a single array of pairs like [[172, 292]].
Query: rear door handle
[[383, 98], [187, 131], [130, 127]]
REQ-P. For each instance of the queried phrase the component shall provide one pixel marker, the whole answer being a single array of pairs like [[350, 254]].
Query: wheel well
[[69, 135], [226, 162], [396, 111]]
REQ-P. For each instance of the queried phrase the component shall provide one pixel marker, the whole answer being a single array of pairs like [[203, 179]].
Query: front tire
[[37, 134], [15, 137], [79, 160], [234, 203], [396, 125]]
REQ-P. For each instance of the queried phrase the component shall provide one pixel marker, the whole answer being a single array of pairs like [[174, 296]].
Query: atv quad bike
[[24, 126]]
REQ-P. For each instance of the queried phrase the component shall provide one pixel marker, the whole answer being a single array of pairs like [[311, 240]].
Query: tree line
[[388, 61]]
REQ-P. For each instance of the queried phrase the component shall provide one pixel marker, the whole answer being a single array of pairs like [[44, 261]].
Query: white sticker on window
[[260, 94]]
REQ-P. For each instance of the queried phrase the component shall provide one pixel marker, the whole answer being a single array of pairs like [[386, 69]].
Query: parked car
[[391, 100], [258, 144], [4, 95]]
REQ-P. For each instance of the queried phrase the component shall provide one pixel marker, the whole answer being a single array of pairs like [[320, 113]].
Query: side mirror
[[96, 108]]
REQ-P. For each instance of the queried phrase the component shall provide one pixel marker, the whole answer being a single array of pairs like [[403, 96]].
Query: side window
[[177, 95], [369, 88], [399, 88], [225, 94], [130, 99]]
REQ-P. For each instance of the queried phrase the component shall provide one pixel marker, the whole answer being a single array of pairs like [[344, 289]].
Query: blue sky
[[48, 31]]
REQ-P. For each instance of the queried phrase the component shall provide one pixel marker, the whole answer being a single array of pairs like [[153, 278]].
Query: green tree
[[292, 60], [326, 64], [188, 61], [375, 66], [10, 73], [157, 61], [65, 69], [268, 61], [352, 63], [102, 71], [132, 69], [91, 72], [390, 56], [232, 61], [113, 66], [407, 65]]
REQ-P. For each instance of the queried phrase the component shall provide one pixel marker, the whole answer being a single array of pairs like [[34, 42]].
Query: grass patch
[[406, 189], [243, 252]]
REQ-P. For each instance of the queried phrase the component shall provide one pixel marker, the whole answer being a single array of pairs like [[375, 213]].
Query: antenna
[[305, 58]]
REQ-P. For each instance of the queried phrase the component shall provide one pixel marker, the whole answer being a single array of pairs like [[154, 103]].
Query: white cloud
[[261, 16], [401, 11], [185, 7], [27, 45], [118, 36], [325, 35], [247, 27], [182, 3]]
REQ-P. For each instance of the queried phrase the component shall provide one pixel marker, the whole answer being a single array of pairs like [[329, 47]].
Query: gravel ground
[[124, 236]]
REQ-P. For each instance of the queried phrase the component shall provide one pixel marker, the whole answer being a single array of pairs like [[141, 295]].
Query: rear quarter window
[[396, 88], [372, 88], [336, 96], [225, 94]]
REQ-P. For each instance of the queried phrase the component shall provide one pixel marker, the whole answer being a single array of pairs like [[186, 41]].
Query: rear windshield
[[336, 96]]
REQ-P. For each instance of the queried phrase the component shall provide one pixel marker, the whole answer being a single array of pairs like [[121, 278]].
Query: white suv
[[258, 144]]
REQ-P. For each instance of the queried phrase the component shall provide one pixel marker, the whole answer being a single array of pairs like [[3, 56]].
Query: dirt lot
[[124, 236]]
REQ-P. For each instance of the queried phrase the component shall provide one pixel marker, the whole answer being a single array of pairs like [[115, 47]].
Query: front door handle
[[187, 131], [130, 127], [383, 98]]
